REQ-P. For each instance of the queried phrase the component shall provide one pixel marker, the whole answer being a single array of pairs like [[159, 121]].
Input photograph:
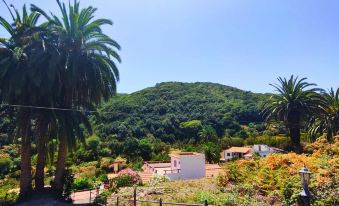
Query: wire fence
[[88, 197]]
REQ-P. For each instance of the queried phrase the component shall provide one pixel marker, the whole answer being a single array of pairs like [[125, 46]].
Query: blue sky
[[241, 43]]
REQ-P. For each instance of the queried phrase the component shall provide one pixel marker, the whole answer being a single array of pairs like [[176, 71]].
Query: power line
[[52, 108]]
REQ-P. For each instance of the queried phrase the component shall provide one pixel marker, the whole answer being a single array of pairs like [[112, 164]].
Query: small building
[[234, 152], [183, 165], [247, 152], [262, 149]]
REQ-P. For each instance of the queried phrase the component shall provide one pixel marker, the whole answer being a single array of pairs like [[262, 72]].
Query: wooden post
[[160, 202], [5, 202], [205, 204], [117, 201], [90, 196], [135, 196]]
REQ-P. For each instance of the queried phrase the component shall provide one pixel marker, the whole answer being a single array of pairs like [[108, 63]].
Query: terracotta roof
[[238, 149]]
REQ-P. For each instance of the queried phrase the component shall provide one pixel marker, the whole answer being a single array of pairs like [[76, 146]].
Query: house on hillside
[[247, 152], [264, 150], [234, 152], [183, 165]]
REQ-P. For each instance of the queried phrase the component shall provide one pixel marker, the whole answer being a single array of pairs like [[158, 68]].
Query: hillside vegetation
[[161, 109], [272, 180]]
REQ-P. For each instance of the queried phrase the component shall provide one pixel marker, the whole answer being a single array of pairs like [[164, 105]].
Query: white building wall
[[232, 155], [263, 150], [192, 166], [175, 163]]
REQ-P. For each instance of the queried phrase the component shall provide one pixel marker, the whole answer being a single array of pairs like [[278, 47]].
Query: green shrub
[[123, 181], [5, 164], [101, 199], [103, 178], [83, 183]]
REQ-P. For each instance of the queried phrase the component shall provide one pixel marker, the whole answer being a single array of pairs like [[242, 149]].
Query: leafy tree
[[145, 149], [327, 120], [93, 143], [212, 152], [131, 146], [191, 128], [293, 104], [208, 134]]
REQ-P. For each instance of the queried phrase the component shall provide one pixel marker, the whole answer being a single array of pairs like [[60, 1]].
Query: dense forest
[[162, 110]]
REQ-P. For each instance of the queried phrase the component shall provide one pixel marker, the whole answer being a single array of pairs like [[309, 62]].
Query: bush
[[83, 183], [5, 164], [157, 179], [123, 181], [105, 163], [277, 175], [127, 178], [101, 198], [103, 178]]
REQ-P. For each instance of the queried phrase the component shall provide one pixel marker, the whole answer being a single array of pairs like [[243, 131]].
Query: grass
[[187, 191]]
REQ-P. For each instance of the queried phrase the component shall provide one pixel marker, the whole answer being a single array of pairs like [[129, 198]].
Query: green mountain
[[160, 110]]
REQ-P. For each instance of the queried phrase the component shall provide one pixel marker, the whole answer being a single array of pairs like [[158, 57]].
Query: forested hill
[[162, 110]]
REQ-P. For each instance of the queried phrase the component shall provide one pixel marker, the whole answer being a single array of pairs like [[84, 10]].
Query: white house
[[183, 165], [234, 152], [262, 149], [247, 152]]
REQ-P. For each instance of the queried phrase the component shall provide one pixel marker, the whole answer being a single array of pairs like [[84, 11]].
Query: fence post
[[5, 201], [205, 204], [90, 196], [117, 201], [135, 197]]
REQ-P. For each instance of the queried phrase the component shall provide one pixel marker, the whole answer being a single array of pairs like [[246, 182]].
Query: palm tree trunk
[[58, 183], [40, 166], [41, 161], [295, 139], [26, 166]]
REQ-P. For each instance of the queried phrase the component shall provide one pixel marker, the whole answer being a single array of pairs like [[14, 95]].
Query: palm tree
[[86, 66], [15, 85], [327, 120], [293, 104]]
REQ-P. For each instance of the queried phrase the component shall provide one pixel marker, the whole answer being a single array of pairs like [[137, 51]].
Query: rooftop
[[178, 154], [238, 149]]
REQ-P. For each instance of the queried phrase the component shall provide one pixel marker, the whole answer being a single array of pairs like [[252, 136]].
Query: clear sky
[[241, 43]]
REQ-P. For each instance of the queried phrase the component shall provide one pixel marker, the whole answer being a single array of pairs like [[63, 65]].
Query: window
[[175, 163], [228, 154]]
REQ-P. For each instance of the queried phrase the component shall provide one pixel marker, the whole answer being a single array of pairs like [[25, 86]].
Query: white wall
[[173, 165], [263, 150], [232, 155], [192, 166]]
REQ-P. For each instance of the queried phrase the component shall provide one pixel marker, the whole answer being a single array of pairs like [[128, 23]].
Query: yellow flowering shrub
[[278, 174]]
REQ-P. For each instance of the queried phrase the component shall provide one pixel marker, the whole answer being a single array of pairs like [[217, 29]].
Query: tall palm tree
[[327, 120], [293, 104], [86, 66], [15, 86]]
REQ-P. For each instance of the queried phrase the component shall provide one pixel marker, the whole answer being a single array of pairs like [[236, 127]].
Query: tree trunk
[[40, 166], [26, 166], [58, 183], [41, 161], [295, 139]]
